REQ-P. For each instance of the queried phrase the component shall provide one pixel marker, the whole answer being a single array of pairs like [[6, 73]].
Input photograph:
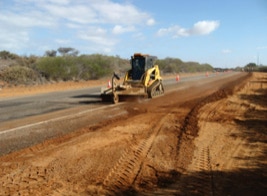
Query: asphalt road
[[20, 107]]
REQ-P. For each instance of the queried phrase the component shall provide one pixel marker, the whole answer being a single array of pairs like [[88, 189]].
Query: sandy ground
[[202, 141]]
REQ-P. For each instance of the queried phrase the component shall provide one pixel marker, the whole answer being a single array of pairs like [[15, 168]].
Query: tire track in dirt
[[122, 176], [25, 181], [201, 181]]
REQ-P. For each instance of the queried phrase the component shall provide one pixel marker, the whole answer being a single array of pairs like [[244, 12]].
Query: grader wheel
[[115, 98]]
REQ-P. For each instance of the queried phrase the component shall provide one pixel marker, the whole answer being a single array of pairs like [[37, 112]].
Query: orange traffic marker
[[109, 84], [177, 78]]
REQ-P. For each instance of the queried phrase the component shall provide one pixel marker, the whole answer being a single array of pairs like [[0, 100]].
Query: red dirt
[[209, 140], [36, 89]]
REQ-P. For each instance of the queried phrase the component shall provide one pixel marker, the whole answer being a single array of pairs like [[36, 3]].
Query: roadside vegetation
[[65, 64]]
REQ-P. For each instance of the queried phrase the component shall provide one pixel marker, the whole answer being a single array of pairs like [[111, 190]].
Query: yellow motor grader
[[143, 79]]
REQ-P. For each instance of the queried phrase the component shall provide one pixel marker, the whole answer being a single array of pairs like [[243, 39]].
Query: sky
[[222, 33]]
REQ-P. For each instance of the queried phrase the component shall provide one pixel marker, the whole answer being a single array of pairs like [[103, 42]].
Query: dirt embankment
[[14, 91], [209, 140]]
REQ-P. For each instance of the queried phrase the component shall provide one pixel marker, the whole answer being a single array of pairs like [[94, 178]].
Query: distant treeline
[[15, 69], [175, 65]]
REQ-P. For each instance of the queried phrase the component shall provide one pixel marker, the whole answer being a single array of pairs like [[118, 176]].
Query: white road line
[[57, 119]]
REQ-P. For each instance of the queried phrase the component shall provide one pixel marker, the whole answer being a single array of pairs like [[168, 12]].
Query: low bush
[[16, 75], [56, 68], [84, 67]]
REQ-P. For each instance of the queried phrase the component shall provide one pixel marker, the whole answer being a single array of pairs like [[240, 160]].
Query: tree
[[68, 51], [251, 66], [51, 53]]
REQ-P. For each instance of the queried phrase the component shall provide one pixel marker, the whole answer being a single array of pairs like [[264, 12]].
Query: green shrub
[[57, 68], [85, 67], [94, 66], [19, 75]]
